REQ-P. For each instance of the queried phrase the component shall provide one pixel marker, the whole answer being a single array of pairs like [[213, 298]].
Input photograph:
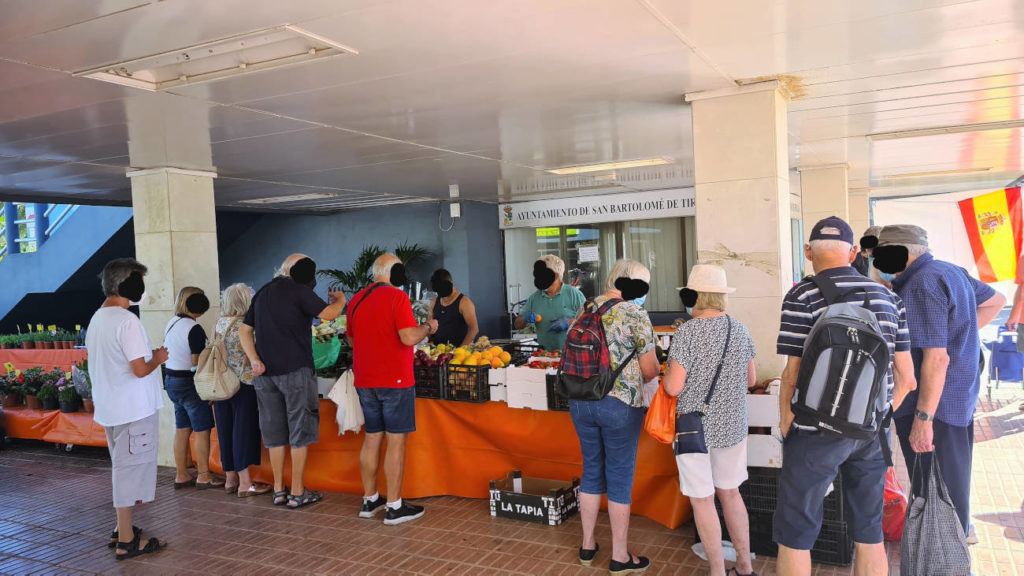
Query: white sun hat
[[708, 278]]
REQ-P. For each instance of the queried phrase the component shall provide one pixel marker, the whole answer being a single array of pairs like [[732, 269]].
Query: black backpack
[[584, 372], [841, 388]]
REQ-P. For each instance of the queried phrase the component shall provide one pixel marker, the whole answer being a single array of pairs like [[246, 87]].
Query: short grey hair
[[819, 246], [914, 250], [383, 264], [236, 300], [554, 263], [626, 268], [286, 266], [117, 271]]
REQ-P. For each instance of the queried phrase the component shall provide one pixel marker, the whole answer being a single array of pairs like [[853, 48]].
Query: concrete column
[[743, 204], [860, 211], [176, 238], [823, 193]]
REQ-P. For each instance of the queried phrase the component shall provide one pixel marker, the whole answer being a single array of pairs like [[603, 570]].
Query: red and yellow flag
[[993, 223]]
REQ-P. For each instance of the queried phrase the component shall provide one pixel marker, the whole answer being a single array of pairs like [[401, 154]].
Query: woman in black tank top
[[454, 312]]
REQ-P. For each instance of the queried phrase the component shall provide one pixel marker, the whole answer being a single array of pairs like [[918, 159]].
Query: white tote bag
[[350, 413]]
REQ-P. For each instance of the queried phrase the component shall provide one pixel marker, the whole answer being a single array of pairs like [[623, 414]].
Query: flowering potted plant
[[80, 377], [67, 395], [48, 395], [44, 340], [65, 339], [10, 389], [30, 381]]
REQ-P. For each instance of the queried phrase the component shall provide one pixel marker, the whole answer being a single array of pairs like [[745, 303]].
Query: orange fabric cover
[[53, 426], [459, 448], [47, 359]]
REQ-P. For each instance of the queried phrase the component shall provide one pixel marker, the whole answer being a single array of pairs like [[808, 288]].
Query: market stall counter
[[458, 448], [45, 359], [77, 428]]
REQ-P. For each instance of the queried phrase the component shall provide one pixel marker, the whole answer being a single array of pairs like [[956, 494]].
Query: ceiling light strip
[[585, 169], [957, 129]]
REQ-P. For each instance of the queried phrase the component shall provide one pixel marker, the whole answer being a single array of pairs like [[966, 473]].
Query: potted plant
[[48, 396], [67, 338], [27, 341], [30, 381], [9, 341], [44, 340], [67, 395], [10, 389], [80, 377]]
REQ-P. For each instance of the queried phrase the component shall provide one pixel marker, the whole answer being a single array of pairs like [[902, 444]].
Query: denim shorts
[[190, 411], [609, 431], [391, 410], [811, 460]]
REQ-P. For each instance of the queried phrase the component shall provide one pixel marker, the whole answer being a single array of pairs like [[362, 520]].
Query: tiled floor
[[55, 515]]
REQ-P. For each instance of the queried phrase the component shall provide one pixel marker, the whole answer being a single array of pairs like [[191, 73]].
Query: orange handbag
[[660, 421]]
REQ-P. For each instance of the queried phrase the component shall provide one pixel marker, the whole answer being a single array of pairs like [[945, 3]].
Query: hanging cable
[[440, 226]]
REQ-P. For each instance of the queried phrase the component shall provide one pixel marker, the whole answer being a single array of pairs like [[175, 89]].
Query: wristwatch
[[924, 416]]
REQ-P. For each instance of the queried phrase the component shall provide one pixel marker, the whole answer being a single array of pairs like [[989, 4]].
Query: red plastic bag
[[660, 421], [895, 508]]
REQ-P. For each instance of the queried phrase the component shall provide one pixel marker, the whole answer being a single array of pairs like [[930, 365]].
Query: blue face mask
[[871, 262], [886, 277], [640, 301]]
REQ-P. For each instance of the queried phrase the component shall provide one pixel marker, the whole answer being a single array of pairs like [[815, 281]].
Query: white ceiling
[[469, 92]]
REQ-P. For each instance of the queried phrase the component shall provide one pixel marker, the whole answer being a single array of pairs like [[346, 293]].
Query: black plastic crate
[[521, 351], [555, 401], [467, 383], [760, 494], [834, 545], [429, 381]]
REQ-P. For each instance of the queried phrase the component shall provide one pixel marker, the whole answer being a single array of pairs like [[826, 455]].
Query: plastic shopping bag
[[895, 508], [660, 421], [350, 413]]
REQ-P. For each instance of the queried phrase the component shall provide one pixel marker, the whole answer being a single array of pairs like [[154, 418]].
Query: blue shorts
[[811, 460], [391, 410], [609, 431], [190, 411]]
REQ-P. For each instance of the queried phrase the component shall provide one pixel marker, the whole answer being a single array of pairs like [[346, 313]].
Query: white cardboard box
[[499, 392], [497, 376], [527, 388], [762, 410], [764, 450]]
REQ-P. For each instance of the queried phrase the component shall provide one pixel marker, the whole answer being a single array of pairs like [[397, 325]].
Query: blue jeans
[[609, 431]]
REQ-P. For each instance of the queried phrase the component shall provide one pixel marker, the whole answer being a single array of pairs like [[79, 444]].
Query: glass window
[[667, 246]]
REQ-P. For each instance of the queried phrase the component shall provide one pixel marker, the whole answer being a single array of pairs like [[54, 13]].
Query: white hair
[[286, 266], [820, 246], [626, 268], [383, 264], [554, 263], [236, 300], [914, 250]]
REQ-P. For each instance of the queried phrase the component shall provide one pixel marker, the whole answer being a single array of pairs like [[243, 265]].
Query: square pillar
[[176, 239], [743, 204], [824, 192], [860, 211]]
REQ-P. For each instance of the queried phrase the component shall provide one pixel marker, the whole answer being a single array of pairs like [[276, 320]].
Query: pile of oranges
[[494, 357]]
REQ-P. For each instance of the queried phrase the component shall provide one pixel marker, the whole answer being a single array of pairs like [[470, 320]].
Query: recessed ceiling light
[[611, 166], [241, 54], [959, 129], [938, 173], [293, 198]]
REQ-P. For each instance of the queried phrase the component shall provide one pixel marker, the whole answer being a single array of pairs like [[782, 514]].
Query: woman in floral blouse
[[609, 429], [238, 421]]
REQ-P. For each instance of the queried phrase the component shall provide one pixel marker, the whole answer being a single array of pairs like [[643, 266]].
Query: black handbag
[[690, 426]]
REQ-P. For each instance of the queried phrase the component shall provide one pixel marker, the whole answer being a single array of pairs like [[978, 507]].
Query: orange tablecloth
[[458, 448], [47, 359], [53, 426]]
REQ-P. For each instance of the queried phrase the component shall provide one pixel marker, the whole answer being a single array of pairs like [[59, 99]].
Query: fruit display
[[481, 353], [324, 333], [544, 360], [433, 355]]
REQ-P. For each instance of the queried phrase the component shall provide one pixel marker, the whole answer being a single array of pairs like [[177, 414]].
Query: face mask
[[443, 288], [398, 277], [891, 259], [133, 288], [632, 289], [871, 262], [304, 272], [543, 277], [886, 277], [640, 301]]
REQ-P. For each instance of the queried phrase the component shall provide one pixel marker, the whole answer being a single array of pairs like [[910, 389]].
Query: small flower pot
[[69, 345], [3, 346], [50, 403], [33, 403], [28, 345], [12, 400], [69, 406], [87, 405], [46, 345]]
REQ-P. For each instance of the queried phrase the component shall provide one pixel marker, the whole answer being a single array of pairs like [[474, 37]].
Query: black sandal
[[114, 536], [281, 498], [733, 570], [587, 555], [132, 548], [308, 497]]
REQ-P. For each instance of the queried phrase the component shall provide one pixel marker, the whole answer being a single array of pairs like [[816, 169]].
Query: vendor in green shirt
[[554, 303]]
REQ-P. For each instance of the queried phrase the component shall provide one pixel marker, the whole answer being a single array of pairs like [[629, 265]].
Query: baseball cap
[[832, 228]]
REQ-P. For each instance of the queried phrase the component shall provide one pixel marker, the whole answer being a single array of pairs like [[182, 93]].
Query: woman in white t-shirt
[[185, 340], [126, 390]]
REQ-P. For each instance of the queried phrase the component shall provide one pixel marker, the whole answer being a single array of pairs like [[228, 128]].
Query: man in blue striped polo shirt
[[811, 458], [945, 309]]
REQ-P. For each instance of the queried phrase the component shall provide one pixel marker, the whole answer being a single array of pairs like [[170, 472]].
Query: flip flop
[[254, 491], [211, 484], [230, 489], [185, 484]]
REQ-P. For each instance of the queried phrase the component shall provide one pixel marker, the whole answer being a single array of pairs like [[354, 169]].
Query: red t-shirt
[[379, 359]]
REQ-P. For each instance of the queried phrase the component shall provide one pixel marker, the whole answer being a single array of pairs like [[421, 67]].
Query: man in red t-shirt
[[382, 331]]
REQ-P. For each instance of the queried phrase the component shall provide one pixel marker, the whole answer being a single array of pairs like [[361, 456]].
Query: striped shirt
[[804, 304]]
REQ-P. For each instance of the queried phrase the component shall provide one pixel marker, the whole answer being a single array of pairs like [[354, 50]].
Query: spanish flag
[[993, 223]]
